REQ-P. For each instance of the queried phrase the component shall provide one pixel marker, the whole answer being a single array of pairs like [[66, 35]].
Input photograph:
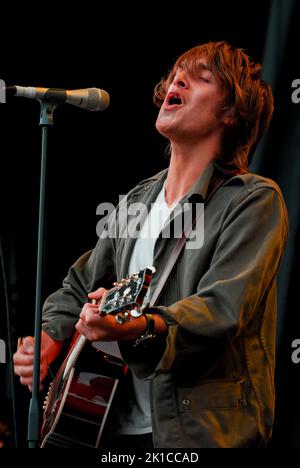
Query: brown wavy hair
[[249, 97]]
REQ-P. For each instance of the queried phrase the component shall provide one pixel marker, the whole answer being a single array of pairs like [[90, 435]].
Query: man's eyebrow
[[204, 67]]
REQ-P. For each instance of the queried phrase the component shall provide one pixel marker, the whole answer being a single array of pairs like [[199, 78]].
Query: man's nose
[[180, 79]]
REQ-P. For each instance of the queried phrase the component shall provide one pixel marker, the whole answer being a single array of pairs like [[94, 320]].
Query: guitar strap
[[216, 181]]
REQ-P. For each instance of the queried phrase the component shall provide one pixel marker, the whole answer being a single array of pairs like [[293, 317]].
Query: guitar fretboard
[[74, 355]]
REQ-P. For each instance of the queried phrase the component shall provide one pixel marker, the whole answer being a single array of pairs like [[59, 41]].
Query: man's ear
[[228, 115]]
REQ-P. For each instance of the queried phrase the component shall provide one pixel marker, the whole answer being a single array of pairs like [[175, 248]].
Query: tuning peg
[[136, 312], [119, 319], [122, 318]]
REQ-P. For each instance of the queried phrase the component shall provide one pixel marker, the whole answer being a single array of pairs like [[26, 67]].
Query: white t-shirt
[[137, 420]]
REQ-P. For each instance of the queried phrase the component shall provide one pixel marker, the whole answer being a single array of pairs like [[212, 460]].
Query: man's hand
[[105, 328], [23, 358]]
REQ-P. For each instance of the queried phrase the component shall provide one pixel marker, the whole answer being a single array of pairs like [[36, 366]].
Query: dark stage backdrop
[[94, 157]]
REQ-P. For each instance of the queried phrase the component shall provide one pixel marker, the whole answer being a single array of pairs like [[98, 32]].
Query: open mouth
[[173, 100]]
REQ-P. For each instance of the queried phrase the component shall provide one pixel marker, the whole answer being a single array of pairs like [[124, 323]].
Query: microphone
[[92, 99]]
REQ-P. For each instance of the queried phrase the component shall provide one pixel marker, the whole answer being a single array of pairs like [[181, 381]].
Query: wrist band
[[149, 332]]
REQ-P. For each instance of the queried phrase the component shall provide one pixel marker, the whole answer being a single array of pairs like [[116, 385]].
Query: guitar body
[[78, 404], [80, 396]]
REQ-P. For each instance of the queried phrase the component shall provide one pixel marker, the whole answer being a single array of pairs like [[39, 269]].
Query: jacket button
[[186, 403]]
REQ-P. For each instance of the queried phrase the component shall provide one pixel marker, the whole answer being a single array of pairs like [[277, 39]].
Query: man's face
[[192, 109]]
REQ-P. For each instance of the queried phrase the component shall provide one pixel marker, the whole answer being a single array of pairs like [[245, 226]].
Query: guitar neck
[[74, 353]]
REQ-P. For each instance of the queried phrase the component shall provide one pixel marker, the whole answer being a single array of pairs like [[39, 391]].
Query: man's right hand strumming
[[24, 357]]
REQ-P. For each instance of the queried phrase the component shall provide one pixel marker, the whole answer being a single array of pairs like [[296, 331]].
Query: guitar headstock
[[127, 294]]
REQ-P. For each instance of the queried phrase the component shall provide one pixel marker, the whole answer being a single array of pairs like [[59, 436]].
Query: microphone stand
[[46, 120]]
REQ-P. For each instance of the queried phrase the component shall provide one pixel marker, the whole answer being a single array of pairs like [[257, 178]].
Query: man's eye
[[206, 80]]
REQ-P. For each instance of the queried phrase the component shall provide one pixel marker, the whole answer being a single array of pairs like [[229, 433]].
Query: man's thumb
[[28, 344]]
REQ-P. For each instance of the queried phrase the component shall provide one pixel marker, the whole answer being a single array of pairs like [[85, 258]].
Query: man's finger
[[24, 371], [88, 310], [83, 329], [98, 294], [80, 326], [26, 380], [27, 371], [23, 359]]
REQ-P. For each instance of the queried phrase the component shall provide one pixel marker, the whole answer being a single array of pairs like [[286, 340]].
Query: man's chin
[[165, 128]]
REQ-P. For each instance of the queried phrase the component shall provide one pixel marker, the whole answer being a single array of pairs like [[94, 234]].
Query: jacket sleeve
[[245, 262], [94, 269]]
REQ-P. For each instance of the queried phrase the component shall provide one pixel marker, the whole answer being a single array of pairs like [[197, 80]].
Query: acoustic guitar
[[80, 396]]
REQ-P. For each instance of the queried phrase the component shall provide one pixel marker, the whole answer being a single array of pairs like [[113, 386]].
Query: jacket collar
[[200, 187], [155, 183]]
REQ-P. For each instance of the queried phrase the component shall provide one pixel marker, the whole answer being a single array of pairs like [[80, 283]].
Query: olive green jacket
[[212, 375]]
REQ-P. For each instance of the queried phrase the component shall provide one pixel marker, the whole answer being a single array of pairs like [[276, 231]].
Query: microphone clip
[[47, 110]]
